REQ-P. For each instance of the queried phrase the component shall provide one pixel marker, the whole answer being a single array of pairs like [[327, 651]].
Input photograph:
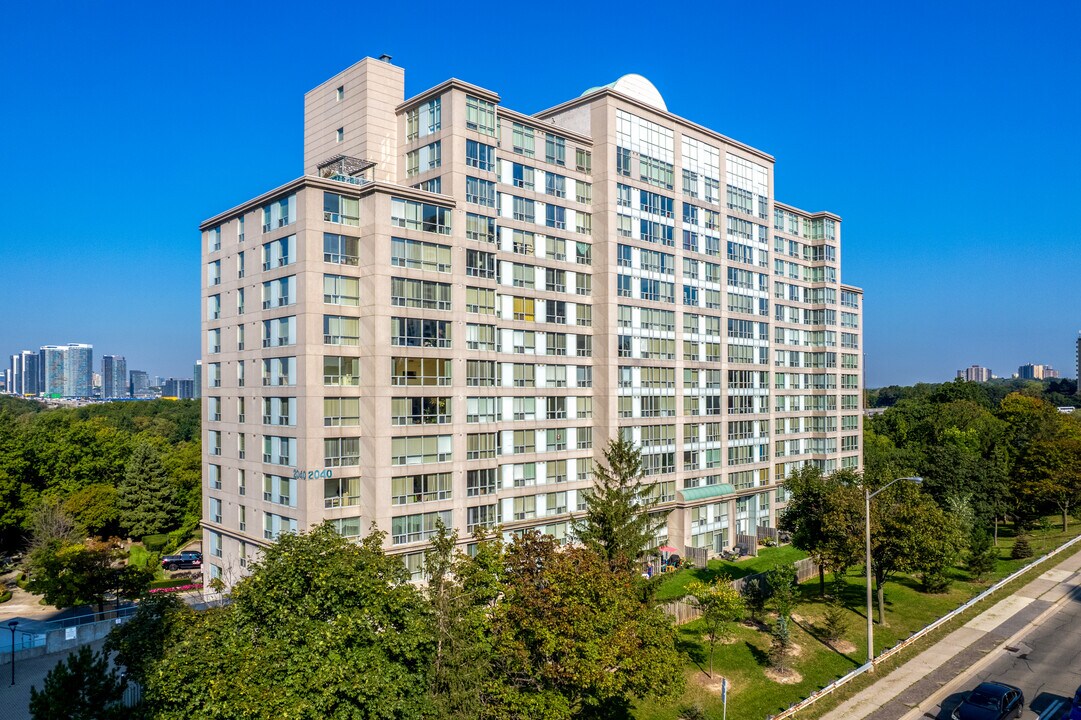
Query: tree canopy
[[78, 457]]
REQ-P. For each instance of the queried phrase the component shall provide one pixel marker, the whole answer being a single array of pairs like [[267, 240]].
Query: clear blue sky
[[945, 134]]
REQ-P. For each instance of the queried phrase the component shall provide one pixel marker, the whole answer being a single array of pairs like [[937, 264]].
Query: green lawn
[[908, 609], [674, 585], [139, 556]]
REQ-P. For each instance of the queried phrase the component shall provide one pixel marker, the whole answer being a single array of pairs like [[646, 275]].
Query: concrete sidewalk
[[898, 693], [15, 701]]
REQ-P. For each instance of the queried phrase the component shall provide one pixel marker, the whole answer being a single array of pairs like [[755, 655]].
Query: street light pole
[[867, 494], [11, 627]]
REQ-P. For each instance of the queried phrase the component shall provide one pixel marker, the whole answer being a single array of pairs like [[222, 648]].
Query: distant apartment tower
[[139, 384], [181, 389], [114, 374], [975, 373], [457, 305], [67, 370], [1036, 372], [26, 373]]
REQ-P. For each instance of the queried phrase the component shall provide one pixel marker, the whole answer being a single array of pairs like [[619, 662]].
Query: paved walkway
[[15, 701], [901, 692]]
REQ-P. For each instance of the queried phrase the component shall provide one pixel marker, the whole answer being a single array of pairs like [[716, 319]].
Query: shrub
[[5, 596], [1021, 548], [935, 582], [691, 712]]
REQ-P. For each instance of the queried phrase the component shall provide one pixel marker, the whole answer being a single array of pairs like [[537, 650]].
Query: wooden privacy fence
[[684, 611]]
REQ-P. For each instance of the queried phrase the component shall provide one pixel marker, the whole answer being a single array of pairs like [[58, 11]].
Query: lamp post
[[11, 627], [867, 537]]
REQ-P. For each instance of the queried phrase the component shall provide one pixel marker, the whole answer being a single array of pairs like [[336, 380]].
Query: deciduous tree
[[322, 628], [721, 605]]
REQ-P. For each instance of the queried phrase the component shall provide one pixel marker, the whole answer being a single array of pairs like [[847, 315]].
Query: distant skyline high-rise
[[1036, 372], [52, 370], [67, 370], [139, 384], [114, 377], [25, 373], [179, 388], [79, 370], [975, 373]]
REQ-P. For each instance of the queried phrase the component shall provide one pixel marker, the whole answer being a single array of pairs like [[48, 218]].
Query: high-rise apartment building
[[25, 373], [67, 370], [180, 389], [139, 384], [79, 370], [197, 379], [975, 373], [1078, 357], [114, 377], [1036, 372], [458, 304]]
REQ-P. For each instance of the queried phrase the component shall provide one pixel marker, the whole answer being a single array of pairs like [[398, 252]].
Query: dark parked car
[[991, 701], [186, 560], [1075, 708]]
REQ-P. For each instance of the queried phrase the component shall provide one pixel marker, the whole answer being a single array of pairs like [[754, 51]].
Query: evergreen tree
[[982, 554], [834, 621], [147, 497], [82, 687], [620, 521], [780, 643], [755, 592]]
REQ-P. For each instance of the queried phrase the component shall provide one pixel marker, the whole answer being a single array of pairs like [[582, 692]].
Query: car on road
[[991, 701], [1075, 707], [186, 560]]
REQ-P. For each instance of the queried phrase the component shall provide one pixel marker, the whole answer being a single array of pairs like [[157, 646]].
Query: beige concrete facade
[[512, 291]]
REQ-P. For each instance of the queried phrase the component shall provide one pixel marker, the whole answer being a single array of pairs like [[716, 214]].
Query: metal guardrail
[[886, 654], [86, 618]]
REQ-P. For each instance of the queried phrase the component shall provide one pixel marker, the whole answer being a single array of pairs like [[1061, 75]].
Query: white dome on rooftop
[[637, 87]]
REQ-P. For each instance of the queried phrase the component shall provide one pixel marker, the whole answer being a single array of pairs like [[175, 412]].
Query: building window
[[419, 255], [420, 216], [340, 330], [479, 155], [420, 410], [341, 209], [423, 120], [341, 290], [481, 192], [340, 249], [555, 149], [341, 371], [415, 371], [339, 135], [421, 449], [479, 115]]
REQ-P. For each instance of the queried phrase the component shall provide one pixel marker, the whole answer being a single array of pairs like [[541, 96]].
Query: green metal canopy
[[700, 493]]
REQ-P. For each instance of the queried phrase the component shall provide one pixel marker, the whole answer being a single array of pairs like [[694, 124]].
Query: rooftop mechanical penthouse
[[454, 308]]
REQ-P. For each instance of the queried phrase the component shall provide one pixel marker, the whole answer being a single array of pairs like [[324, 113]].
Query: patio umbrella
[[668, 549]]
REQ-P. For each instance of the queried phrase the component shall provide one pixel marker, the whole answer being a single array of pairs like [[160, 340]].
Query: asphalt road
[[1045, 662]]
